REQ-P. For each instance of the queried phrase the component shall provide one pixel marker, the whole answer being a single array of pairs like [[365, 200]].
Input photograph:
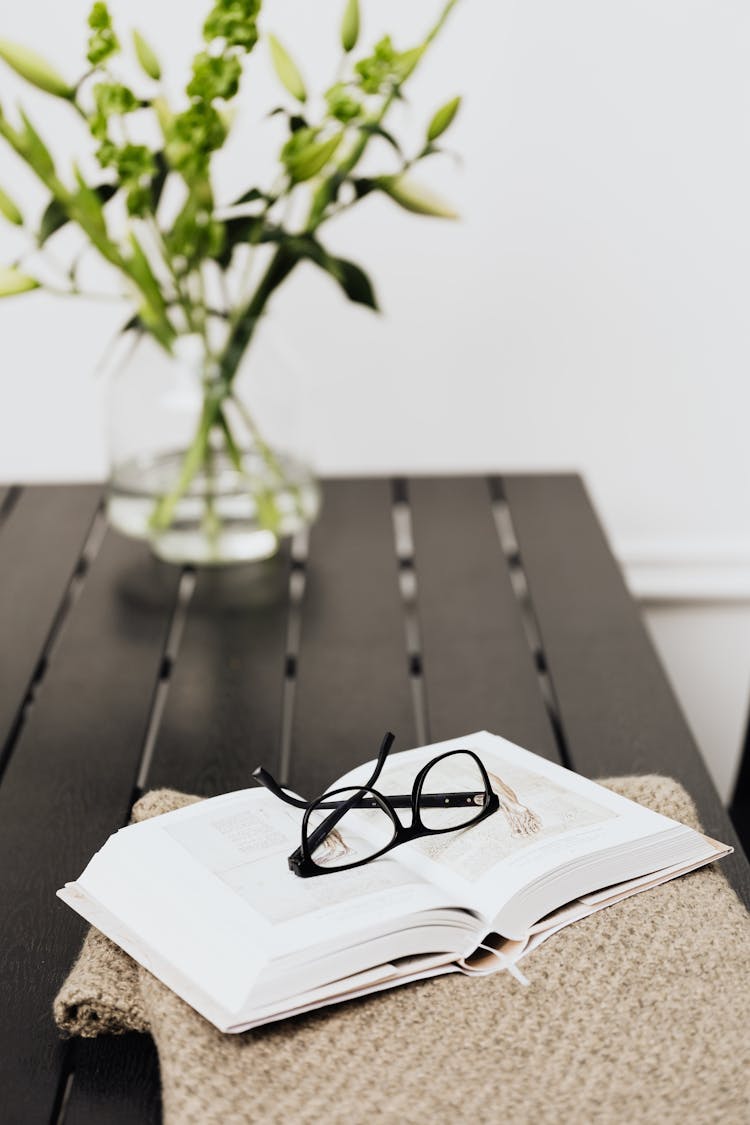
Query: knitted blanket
[[637, 1014]]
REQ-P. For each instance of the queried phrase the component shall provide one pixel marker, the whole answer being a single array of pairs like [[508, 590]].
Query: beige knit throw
[[640, 1013]]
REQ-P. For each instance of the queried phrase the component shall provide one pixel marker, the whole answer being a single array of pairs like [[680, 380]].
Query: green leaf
[[374, 129], [9, 209], [13, 282], [414, 197], [251, 196], [363, 186], [134, 324], [146, 57], [55, 216], [442, 119], [286, 70], [350, 25], [305, 162], [407, 61], [35, 69], [164, 116], [145, 277], [35, 151], [158, 326], [245, 230], [352, 279], [296, 120], [159, 179], [88, 206], [355, 283], [153, 313], [326, 193]]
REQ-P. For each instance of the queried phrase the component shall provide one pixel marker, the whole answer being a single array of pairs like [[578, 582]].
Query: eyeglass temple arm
[[404, 800], [385, 746], [398, 800], [295, 859], [265, 778]]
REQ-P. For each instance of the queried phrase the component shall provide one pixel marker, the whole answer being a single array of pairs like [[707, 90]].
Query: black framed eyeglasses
[[450, 792]]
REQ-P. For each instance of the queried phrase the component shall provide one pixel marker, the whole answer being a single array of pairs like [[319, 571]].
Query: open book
[[204, 899]]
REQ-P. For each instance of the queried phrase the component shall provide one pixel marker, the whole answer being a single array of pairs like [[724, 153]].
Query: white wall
[[706, 649], [590, 311]]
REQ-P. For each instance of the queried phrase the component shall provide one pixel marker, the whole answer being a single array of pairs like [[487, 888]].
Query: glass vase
[[192, 470]]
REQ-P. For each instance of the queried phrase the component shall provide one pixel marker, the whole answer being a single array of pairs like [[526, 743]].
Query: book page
[[547, 816], [245, 840]]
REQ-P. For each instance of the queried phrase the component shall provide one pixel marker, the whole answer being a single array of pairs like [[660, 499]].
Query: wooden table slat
[[478, 669], [224, 704], [618, 712], [352, 671], [40, 545], [67, 787]]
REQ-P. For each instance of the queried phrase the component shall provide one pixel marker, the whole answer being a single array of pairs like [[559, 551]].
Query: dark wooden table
[[431, 607]]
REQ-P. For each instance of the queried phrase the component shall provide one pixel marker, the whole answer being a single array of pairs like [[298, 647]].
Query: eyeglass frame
[[301, 862]]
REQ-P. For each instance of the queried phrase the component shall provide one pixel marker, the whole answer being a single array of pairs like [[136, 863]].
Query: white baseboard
[[687, 572]]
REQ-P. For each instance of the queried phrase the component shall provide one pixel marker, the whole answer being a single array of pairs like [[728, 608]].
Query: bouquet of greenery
[[168, 259]]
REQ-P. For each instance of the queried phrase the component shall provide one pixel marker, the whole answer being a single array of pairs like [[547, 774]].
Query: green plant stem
[[211, 520], [166, 257], [265, 498], [271, 460], [437, 27], [224, 289], [264, 448], [252, 247], [235, 455], [281, 265], [192, 463]]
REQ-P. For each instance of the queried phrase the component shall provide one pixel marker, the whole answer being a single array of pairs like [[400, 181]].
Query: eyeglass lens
[[359, 834], [457, 772]]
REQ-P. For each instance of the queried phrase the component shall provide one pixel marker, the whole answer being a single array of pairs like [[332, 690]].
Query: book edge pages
[[514, 950], [73, 895]]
